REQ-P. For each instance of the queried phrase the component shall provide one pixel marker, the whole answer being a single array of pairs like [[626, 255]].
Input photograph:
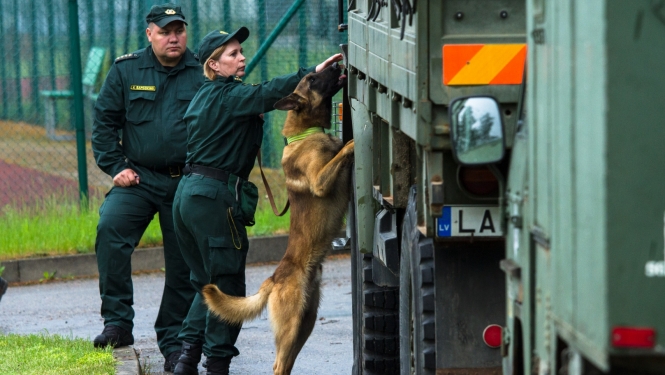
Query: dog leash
[[269, 192]]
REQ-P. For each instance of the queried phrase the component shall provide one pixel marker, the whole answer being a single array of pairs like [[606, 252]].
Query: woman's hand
[[332, 59]]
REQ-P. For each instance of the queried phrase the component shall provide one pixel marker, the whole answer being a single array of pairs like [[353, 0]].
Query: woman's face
[[231, 62]]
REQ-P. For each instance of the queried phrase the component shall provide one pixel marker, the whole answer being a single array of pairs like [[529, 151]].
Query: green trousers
[[213, 240], [123, 217]]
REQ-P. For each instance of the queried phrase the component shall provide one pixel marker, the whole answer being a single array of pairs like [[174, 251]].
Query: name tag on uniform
[[142, 88]]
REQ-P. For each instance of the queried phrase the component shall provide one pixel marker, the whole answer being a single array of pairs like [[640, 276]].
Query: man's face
[[169, 42]]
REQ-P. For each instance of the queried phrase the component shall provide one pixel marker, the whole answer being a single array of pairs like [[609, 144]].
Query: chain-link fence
[[38, 148]]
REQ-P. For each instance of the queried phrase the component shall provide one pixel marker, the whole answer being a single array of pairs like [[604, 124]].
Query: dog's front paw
[[348, 148]]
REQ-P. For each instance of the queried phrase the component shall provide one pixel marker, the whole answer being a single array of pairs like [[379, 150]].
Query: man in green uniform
[[143, 100]]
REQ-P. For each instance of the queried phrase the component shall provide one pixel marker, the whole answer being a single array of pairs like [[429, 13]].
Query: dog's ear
[[291, 102]]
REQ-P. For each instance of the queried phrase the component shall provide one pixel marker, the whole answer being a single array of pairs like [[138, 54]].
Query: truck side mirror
[[477, 130]]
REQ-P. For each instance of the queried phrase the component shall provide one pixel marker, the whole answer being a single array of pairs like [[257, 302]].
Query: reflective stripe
[[483, 64], [237, 190]]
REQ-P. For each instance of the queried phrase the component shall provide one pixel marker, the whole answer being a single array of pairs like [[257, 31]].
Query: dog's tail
[[235, 310]]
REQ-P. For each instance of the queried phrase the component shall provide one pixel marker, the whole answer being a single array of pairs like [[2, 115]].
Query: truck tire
[[416, 309], [375, 316]]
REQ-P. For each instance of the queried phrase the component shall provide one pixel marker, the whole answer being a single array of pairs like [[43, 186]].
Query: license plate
[[467, 221]]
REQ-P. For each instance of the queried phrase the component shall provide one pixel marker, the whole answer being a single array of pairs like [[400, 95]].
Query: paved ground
[[71, 308]]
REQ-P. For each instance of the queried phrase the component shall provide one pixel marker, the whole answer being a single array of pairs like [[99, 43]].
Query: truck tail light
[[478, 181], [493, 335], [633, 337]]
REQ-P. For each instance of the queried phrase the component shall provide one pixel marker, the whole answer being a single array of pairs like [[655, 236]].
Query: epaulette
[[126, 57]]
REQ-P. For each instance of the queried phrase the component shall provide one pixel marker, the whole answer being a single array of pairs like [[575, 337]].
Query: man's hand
[[332, 59], [126, 178]]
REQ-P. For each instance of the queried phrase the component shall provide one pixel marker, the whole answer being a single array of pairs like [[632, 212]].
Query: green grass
[[54, 227], [267, 223], [53, 354]]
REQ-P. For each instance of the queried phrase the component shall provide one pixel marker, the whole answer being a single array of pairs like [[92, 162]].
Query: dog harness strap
[[269, 192], [302, 135]]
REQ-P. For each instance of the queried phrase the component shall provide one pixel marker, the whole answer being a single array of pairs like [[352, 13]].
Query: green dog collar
[[302, 135]]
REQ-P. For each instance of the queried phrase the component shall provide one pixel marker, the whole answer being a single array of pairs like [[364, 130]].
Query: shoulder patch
[[126, 57]]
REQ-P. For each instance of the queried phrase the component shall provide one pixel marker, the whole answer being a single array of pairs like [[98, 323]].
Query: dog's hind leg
[[293, 326], [309, 317], [286, 303]]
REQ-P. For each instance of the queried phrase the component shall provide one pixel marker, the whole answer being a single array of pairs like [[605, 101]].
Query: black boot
[[218, 366], [114, 336], [171, 360], [188, 363]]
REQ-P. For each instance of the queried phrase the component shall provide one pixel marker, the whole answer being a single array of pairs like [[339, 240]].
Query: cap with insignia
[[164, 14], [216, 39]]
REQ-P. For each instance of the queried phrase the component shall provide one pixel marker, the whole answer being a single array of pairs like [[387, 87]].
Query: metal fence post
[[34, 80], [3, 69], [90, 23], [17, 67], [302, 38], [128, 27], [194, 23], [111, 32], [77, 88], [273, 35], [266, 146], [51, 50], [140, 25], [226, 15]]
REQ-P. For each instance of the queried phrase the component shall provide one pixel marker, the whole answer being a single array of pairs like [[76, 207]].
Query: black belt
[[171, 170], [215, 173]]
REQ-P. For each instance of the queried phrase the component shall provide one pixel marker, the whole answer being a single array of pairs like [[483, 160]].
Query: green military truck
[[509, 194]]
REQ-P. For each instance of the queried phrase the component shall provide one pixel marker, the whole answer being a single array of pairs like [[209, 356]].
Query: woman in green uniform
[[214, 201]]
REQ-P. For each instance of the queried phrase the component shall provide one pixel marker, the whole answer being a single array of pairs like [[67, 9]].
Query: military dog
[[317, 169]]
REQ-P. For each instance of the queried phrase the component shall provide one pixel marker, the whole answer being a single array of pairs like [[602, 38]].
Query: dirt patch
[[25, 186], [33, 167]]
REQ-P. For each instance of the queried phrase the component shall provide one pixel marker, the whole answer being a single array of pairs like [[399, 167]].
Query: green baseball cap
[[217, 38], [164, 14]]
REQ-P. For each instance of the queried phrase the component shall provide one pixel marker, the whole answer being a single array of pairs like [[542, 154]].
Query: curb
[[128, 362], [261, 249]]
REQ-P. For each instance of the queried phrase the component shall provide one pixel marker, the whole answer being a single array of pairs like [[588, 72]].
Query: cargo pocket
[[225, 259], [203, 190], [141, 107]]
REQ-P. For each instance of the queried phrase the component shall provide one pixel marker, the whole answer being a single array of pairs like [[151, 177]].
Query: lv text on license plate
[[467, 221]]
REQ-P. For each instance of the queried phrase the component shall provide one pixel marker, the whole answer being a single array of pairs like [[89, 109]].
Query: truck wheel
[[416, 309], [375, 319]]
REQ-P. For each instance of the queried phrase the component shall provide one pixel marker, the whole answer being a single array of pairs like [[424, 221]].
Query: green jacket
[[223, 124], [147, 102]]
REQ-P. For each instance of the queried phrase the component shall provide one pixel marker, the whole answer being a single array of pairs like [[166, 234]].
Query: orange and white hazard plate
[[483, 64]]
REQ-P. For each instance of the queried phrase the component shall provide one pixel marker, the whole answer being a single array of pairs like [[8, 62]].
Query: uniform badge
[[142, 88], [169, 11]]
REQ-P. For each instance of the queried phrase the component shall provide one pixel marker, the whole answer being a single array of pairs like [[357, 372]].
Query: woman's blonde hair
[[207, 70]]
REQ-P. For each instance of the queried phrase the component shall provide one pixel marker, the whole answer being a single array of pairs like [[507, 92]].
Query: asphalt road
[[71, 308]]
